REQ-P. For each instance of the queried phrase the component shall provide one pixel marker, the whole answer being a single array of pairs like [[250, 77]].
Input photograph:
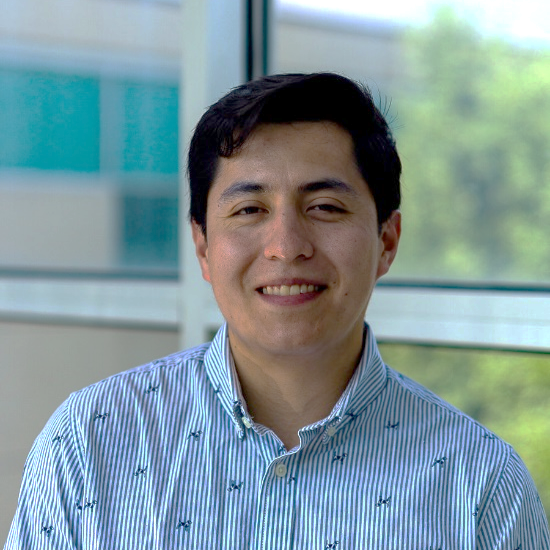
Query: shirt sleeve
[[47, 514], [514, 518]]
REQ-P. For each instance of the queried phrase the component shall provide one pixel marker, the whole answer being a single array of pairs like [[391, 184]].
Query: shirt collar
[[368, 380], [220, 368]]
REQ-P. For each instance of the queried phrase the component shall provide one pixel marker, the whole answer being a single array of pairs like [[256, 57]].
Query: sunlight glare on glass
[[516, 19], [405, 10]]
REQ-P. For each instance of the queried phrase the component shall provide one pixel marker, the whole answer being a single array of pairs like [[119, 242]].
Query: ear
[[389, 241], [201, 249]]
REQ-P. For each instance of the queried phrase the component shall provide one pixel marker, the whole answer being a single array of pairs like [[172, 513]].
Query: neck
[[286, 393]]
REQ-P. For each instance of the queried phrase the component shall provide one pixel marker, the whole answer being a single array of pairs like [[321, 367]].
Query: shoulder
[[463, 442], [150, 391], [474, 460], [119, 408], [436, 409], [157, 377]]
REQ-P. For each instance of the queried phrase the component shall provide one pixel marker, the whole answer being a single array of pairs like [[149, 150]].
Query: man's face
[[292, 248]]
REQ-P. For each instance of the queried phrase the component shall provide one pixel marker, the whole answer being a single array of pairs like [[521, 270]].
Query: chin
[[291, 342]]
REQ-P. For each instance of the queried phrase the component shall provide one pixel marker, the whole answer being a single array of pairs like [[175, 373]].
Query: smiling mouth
[[292, 290]]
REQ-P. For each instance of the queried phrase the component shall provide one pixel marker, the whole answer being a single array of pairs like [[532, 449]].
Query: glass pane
[[509, 393], [465, 87], [150, 133], [89, 139], [150, 230], [49, 121]]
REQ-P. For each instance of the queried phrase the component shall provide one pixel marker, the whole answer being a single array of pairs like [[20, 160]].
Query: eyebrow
[[243, 188], [240, 189], [330, 184]]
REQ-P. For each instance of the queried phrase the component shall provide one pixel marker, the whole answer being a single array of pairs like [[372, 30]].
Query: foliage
[[474, 136]]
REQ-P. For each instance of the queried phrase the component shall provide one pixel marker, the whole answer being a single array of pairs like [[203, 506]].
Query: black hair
[[286, 98]]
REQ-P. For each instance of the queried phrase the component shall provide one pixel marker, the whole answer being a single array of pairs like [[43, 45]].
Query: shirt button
[[331, 430], [280, 470]]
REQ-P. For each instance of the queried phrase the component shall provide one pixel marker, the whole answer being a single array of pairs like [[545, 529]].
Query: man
[[287, 431]]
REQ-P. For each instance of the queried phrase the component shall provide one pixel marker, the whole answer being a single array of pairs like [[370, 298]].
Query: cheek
[[355, 256], [230, 255]]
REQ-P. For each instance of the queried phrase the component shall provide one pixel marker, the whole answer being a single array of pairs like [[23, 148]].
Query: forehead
[[305, 139], [315, 131], [290, 153]]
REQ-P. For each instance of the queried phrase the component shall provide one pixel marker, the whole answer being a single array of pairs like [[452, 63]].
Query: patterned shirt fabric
[[166, 456]]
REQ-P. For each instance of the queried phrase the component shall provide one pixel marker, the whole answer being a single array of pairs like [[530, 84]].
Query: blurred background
[[98, 99]]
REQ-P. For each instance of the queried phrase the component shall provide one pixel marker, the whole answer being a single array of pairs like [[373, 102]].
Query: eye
[[249, 210], [328, 208]]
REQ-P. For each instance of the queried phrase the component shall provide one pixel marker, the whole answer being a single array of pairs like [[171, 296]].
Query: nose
[[288, 238]]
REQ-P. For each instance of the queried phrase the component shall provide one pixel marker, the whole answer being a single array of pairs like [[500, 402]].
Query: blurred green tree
[[473, 131]]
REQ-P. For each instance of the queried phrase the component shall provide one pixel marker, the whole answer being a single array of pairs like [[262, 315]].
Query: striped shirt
[[165, 456]]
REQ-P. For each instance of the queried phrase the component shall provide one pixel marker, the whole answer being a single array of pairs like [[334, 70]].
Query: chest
[[200, 490]]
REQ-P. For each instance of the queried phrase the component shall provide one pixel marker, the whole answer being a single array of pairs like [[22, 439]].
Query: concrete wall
[[45, 222], [108, 26], [366, 50]]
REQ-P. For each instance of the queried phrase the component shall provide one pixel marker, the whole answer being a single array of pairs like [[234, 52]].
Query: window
[[50, 120], [465, 86], [87, 154]]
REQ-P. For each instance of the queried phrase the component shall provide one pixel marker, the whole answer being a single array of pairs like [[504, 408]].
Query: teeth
[[285, 290]]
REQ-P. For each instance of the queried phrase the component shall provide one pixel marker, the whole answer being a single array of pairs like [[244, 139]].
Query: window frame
[[405, 311]]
